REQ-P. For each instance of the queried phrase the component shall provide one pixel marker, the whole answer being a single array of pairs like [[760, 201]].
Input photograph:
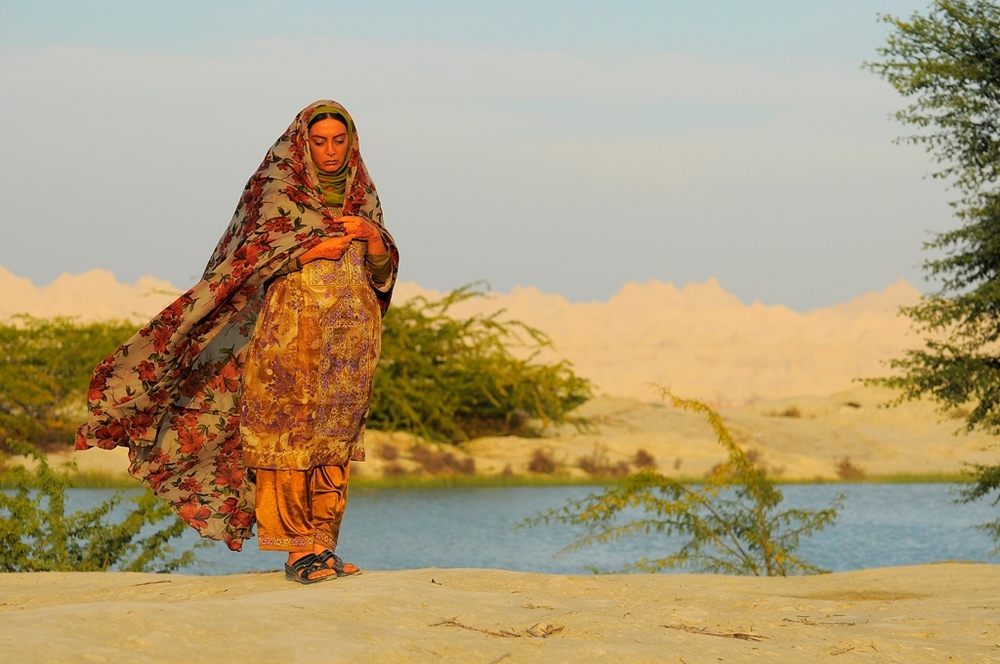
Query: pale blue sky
[[572, 146]]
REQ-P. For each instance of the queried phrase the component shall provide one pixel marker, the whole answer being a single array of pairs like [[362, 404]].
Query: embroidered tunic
[[308, 372]]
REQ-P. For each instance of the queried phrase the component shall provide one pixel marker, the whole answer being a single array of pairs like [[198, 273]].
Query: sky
[[573, 146]]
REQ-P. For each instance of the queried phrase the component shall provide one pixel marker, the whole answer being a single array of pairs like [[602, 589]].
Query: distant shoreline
[[108, 481]]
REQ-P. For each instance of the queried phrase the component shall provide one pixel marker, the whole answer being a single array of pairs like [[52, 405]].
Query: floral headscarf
[[171, 392]]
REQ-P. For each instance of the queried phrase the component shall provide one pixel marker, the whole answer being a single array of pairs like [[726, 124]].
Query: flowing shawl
[[171, 392]]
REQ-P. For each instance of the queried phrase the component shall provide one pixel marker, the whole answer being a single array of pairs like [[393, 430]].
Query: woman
[[266, 363]]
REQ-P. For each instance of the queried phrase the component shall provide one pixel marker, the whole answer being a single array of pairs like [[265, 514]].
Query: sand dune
[[929, 613], [95, 295], [704, 343]]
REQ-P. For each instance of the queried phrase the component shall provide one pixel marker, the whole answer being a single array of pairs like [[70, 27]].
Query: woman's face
[[328, 144]]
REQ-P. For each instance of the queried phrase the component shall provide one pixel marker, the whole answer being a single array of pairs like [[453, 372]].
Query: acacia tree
[[947, 64]]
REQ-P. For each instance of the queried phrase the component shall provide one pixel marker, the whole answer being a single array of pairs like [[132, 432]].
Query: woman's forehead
[[328, 127]]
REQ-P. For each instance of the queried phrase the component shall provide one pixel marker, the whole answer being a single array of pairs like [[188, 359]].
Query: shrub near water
[[37, 535], [452, 379], [732, 524], [542, 462], [45, 367]]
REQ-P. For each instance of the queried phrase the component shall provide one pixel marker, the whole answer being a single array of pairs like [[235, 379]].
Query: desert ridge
[[699, 340], [704, 343], [91, 296]]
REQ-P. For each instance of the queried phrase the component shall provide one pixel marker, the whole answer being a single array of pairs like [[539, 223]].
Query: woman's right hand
[[330, 249]]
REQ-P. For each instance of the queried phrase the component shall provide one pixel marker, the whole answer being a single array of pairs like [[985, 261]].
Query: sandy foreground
[[947, 612]]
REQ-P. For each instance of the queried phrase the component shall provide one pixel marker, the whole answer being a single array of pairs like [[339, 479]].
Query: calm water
[[880, 525]]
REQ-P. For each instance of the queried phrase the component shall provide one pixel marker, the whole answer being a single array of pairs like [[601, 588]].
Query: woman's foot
[[330, 560], [306, 568]]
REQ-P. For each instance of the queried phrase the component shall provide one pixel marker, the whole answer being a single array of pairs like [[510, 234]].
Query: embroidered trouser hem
[[297, 509]]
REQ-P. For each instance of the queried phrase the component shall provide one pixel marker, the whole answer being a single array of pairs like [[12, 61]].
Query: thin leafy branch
[[732, 524], [37, 534]]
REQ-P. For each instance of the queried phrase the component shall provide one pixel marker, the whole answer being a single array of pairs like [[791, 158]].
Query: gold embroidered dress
[[308, 374]]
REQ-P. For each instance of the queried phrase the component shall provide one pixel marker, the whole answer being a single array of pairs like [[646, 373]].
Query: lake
[[880, 525]]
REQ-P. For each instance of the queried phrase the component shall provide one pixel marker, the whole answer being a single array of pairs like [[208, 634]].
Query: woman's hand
[[364, 230], [355, 228], [329, 249]]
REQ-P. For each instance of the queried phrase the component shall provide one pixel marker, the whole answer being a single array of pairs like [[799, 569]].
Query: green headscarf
[[334, 185]]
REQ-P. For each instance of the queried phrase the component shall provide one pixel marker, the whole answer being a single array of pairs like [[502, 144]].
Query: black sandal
[[302, 569], [338, 563]]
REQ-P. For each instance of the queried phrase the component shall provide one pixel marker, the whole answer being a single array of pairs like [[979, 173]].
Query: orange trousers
[[297, 509]]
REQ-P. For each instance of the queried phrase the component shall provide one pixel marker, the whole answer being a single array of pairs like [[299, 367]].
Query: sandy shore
[[929, 613]]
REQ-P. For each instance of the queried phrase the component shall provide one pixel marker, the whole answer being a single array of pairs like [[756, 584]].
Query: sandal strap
[[303, 569], [328, 555], [304, 564], [339, 566]]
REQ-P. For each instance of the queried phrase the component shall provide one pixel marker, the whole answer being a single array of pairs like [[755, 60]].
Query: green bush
[[732, 524], [442, 378], [45, 367], [452, 379], [36, 534]]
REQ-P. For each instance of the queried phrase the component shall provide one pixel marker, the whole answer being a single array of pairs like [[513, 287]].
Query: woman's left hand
[[364, 230]]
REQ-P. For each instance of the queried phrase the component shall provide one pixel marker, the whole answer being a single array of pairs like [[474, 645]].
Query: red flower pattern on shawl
[[146, 370], [194, 512], [191, 440], [99, 382], [170, 393], [237, 516]]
